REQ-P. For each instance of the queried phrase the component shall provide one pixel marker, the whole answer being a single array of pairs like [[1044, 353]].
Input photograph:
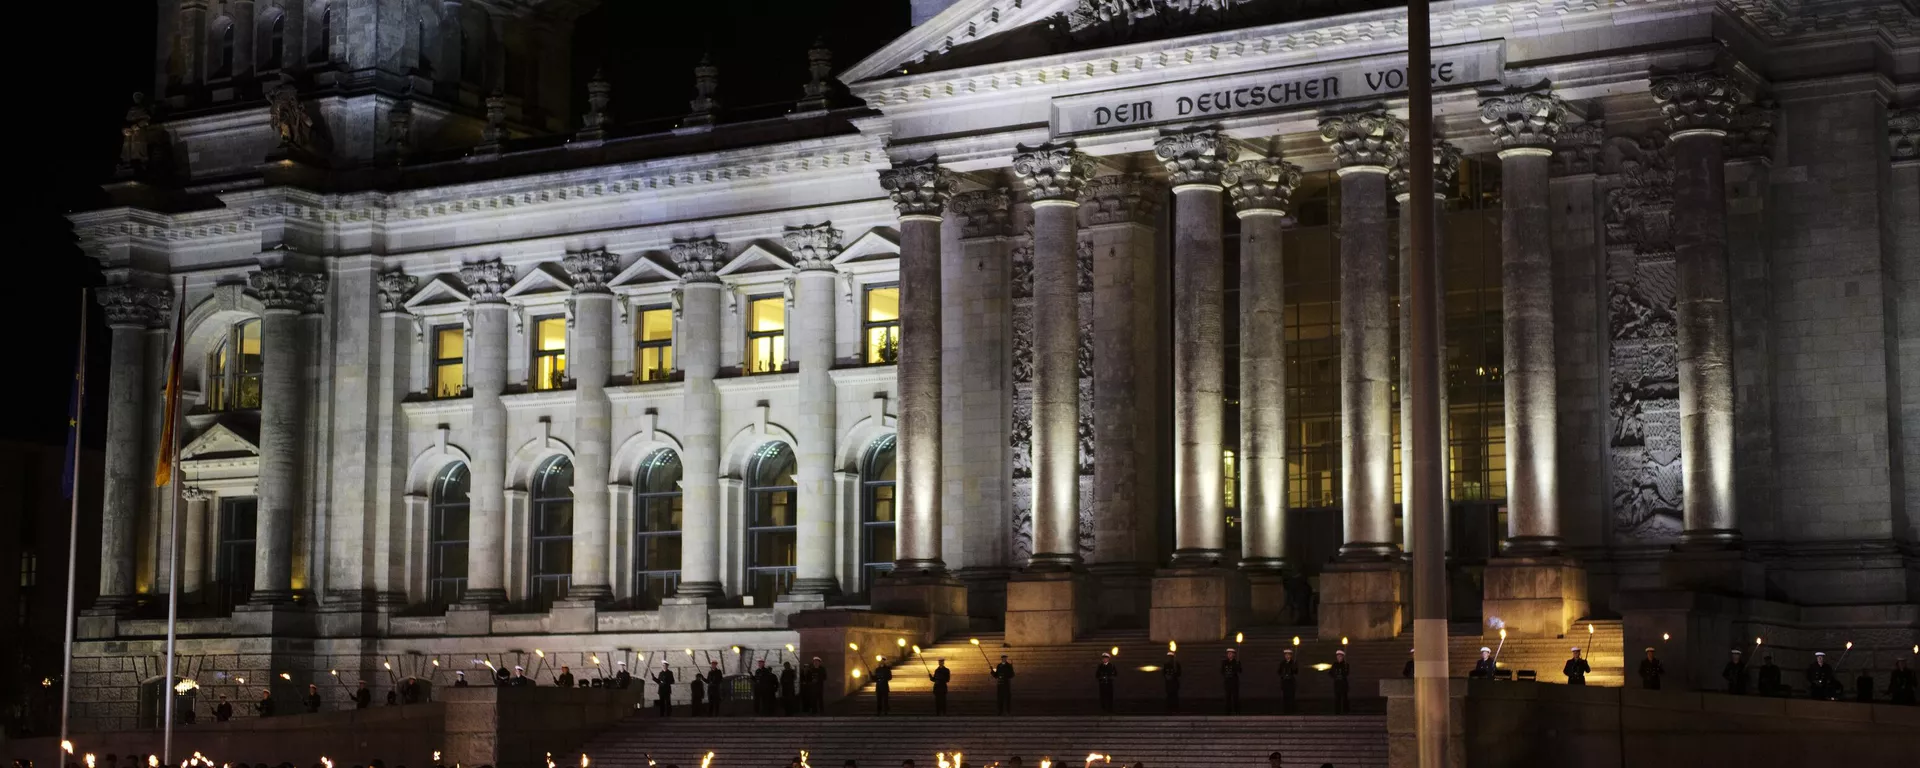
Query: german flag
[[163, 473]]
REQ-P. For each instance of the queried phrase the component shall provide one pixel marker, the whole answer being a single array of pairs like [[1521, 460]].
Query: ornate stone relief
[[1446, 167], [1126, 198], [1903, 133], [133, 305], [288, 116], [1524, 119], [1195, 155], [1695, 100], [284, 289], [917, 187], [813, 246], [1751, 132], [1171, 15], [590, 270], [487, 282], [705, 105], [984, 213], [1578, 148], [593, 125], [494, 136], [820, 71], [1022, 272], [1261, 184], [698, 259], [1021, 430], [1644, 388], [1371, 138], [1052, 171], [394, 287]]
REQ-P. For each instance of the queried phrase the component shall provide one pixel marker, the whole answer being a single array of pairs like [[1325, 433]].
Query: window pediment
[[542, 279], [223, 440], [441, 291], [756, 258], [874, 245]]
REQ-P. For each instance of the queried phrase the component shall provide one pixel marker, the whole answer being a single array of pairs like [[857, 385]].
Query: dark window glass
[[447, 574], [234, 573], [878, 511], [772, 502], [551, 544], [656, 535]]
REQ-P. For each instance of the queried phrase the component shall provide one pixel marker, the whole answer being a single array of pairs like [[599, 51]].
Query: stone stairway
[[1159, 742], [1547, 656]]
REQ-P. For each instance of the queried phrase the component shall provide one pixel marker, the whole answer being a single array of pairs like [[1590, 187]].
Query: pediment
[[875, 244], [442, 290], [649, 268], [756, 258], [220, 441], [542, 279]]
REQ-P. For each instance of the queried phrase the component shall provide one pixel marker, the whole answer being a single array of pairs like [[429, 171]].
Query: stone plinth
[[1048, 608], [279, 620], [1403, 721], [98, 624], [1123, 595], [470, 619], [683, 614], [1534, 596], [1266, 598], [1197, 604], [1731, 572], [517, 727], [568, 616], [1363, 601], [939, 598]]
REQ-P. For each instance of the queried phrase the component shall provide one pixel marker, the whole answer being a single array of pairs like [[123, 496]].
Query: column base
[[351, 613], [1048, 608], [1052, 563], [708, 590], [263, 597], [1533, 596], [1709, 539], [1363, 601], [573, 615], [1267, 600], [1198, 558], [273, 620], [684, 613], [1197, 604], [937, 596], [1123, 594], [821, 587], [1716, 570], [469, 618], [986, 595], [98, 623]]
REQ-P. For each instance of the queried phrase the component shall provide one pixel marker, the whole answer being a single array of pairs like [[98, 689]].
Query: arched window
[[771, 538], [323, 45], [551, 544], [277, 44], [447, 531], [877, 511], [224, 62], [233, 369], [656, 529]]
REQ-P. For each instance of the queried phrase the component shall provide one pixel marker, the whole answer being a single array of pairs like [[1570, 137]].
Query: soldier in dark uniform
[[1230, 670], [1003, 687], [223, 711], [1170, 674], [460, 680], [313, 699], [1900, 684], [815, 676], [1735, 673], [1576, 669], [1289, 680], [663, 682], [940, 677], [520, 679], [622, 678], [265, 705], [393, 698], [1821, 683], [502, 677], [1769, 677], [1863, 687], [1651, 670], [362, 697], [717, 689], [766, 687], [1485, 666], [697, 692], [882, 679], [1340, 673], [789, 691], [565, 678], [1406, 670], [1104, 675]]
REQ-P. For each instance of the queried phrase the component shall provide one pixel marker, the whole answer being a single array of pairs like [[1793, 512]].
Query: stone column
[[1049, 602], [984, 300], [193, 549], [1446, 162], [130, 311], [1531, 588], [1903, 194], [700, 294], [1699, 107], [192, 46], [920, 583], [286, 295], [393, 572], [487, 282], [812, 343], [1119, 214], [1262, 191], [1362, 594], [590, 363]]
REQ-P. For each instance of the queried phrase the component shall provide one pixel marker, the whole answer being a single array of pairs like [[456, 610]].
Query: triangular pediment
[[544, 278], [756, 258], [875, 244], [220, 441], [649, 268], [441, 290], [965, 23]]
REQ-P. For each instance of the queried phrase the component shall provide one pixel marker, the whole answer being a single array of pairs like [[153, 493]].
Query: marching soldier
[[1230, 680], [1821, 682], [1576, 669], [520, 679], [1651, 670], [1003, 687], [1289, 680], [362, 698], [313, 698], [223, 711], [265, 705], [1735, 673], [502, 677], [621, 678], [1104, 675], [664, 688], [882, 677], [412, 692], [810, 687], [1769, 677], [1340, 673], [764, 686], [717, 689], [940, 677], [1900, 685], [1170, 674], [1485, 666]]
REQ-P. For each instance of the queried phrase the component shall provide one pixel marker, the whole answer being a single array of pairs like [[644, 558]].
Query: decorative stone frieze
[[1371, 139], [590, 270], [280, 288], [133, 306], [394, 287], [1524, 119], [1695, 101], [1577, 149], [813, 246], [1751, 133], [1261, 184], [698, 259], [917, 187], [1052, 172], [984, 213], [1903, 133], [487, 282], [1446, 168], [1131, 198], [1194, 155]]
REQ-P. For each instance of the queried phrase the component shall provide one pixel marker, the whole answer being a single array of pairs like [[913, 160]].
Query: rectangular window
[[247, 386], [653, 345], [234, 576], [882, 325], [29, 569], [766, 334], [549, 368], [449, 361]]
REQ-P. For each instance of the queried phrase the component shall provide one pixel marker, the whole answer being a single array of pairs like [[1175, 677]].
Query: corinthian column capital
[[917, 187], [590, 270], [487, 282], [1194, 156], [1695, 101], [280, 288], [1261, 186], [394, 287], [1524, 120], [1446, 167], [1903, 133], [984, 213], [1131, 198], [699, 259], [813, 246], [1371, 139], [1053, 173], [133, 306]]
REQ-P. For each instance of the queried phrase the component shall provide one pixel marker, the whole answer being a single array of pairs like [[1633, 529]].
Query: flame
[[877, 658], [489, 663], [1296, 641], [243, 681], [595, 657], [1343, 638], [689, 651], [436, 662], [539, 653], [326, 762], [583, 760], [1115, 651], [789, 647], [957, 762], [803, 760], [66, 746], [856, 674], [900, 642], [89, 754], [940, 759], [549, 760], [153, 761], [1663, 636], [285, 676], [436, 755], [973, 640], [1172, 646], [1503, 636], [1322, 667], [916, 649], [1239, 637], [334, 672], [1849, 645], [855, 647], [1757, 641], [1589, 629], [1093, 757], [706, 761], [1046, 762]]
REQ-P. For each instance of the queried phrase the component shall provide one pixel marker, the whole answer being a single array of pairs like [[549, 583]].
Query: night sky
[[66, 128]]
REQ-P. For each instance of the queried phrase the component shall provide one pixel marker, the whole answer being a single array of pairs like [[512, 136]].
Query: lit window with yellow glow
[[1230, 474], [449, 361], [653, 345], [233, 369], [549, 369], [882, 325], [766, 334]]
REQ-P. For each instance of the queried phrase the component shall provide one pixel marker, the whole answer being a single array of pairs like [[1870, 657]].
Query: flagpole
[[173, 535], [73, 530]]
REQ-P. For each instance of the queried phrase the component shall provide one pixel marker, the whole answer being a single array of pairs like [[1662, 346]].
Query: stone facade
[[1731, 258]]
